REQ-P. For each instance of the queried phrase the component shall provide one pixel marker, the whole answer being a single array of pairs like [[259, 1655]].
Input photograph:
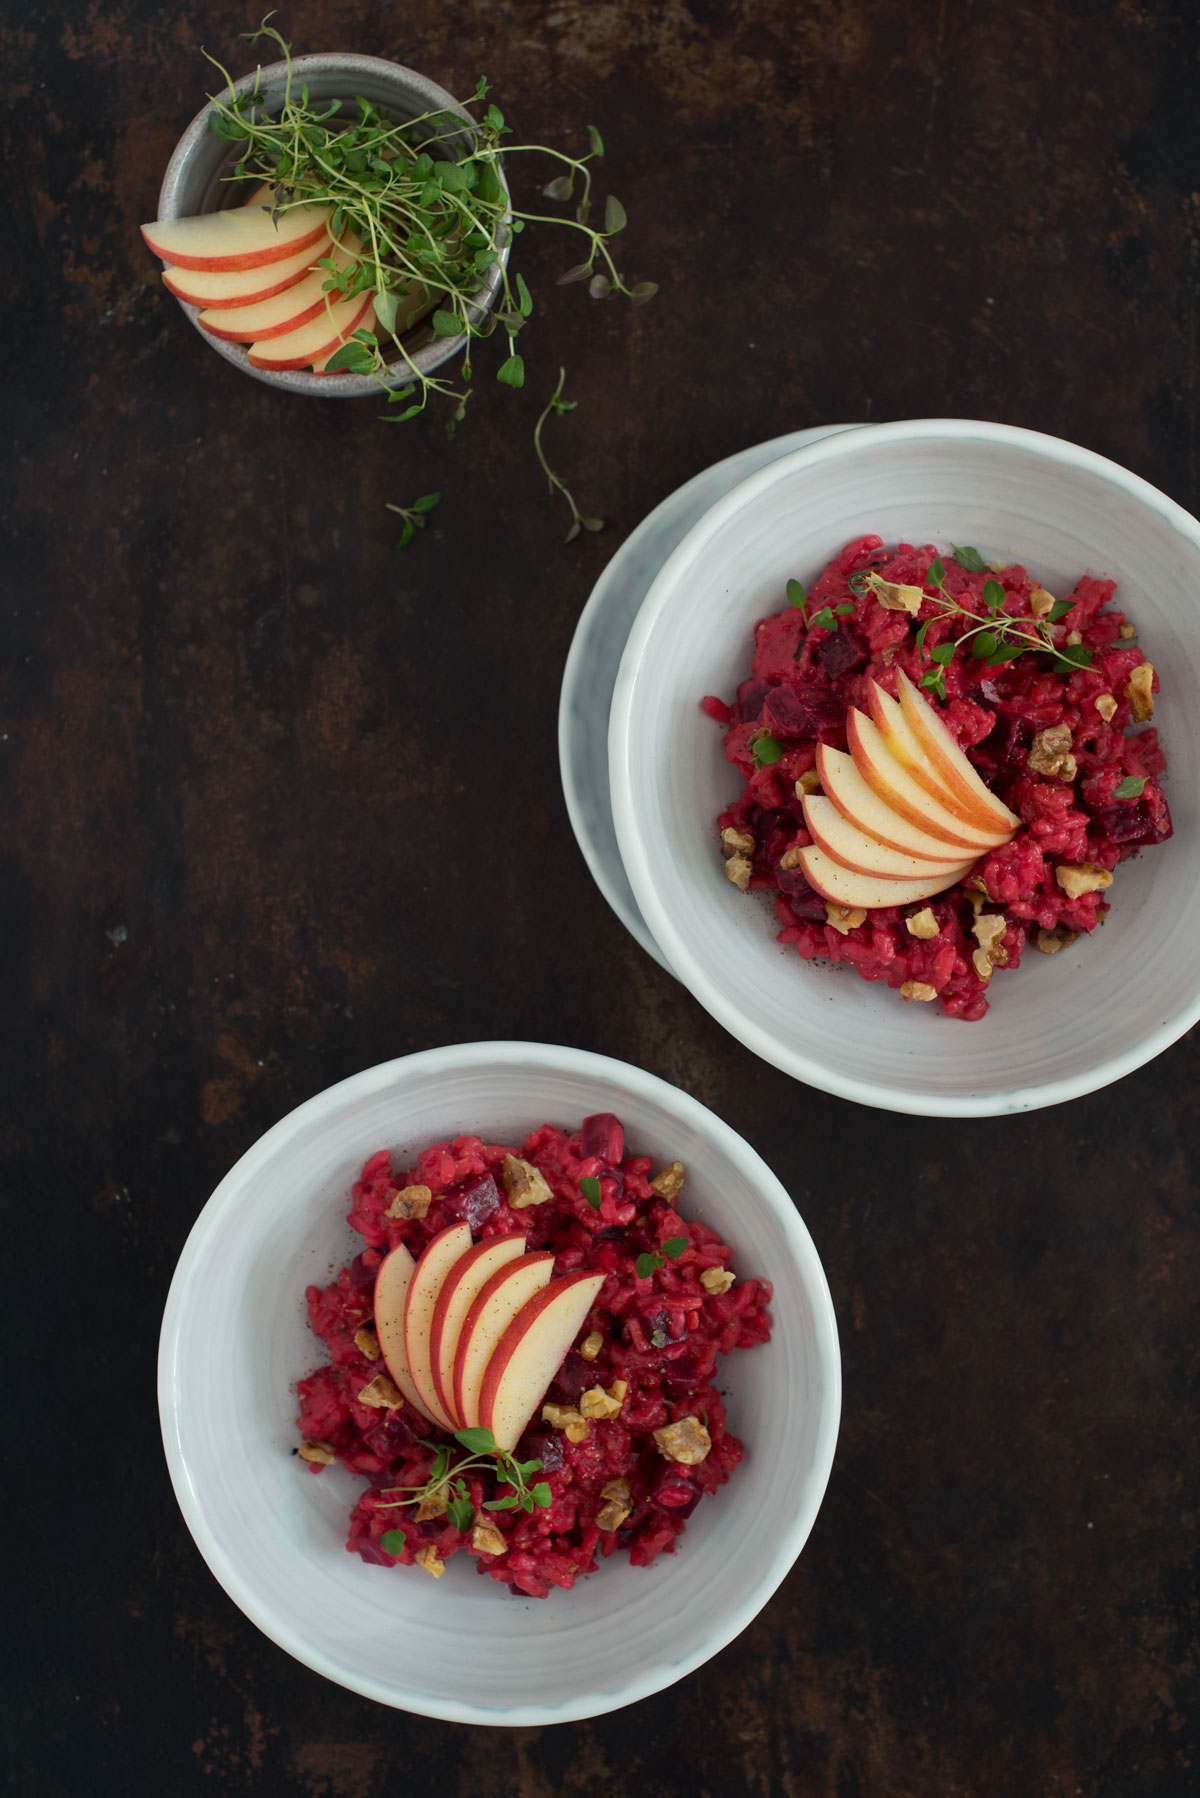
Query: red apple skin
[[885, 775], [543, 1262], [845, 788], [541, 1306], [950, 761], [494, 1252], [391, 1289], [434, 1264], [294, 351], [158, 237], [222, 291]]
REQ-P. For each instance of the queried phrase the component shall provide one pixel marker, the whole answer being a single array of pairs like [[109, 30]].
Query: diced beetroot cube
[[390, 1438], [674, 1491], [573, 1379], [543, 1446], [750, 696], [472, 1203], [804, 901], [840, 653], [802, 710], [363, 1270], [603, 1135], [683, 1373]]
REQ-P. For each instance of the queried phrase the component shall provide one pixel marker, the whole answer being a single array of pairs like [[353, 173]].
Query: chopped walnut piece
[[486, 1539], [844, 918], [894, 596], [977, 882], [1073, 638], [1140, 693], [1050, 753], [434, 1505], [410, 1201], [1126, 631], [717, 1280], [997, 567], [1051, 941], [988, 931], [591, 1345], [1085, 877], [1040, 602], [686, 1441], [320, 1453], [737, 841], [808, 782], [981, 961], [739, 868], [381, 1394], [566, 1418], [600, 1404], [918, 989], [429, 1558], [922, 924], [523, 1183], [367, 1343], [618, 1503], [669, 1184], [791, 858], [1106, 705]]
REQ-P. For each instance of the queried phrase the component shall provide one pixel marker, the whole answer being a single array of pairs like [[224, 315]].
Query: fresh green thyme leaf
[[983, 643], [935, 680], [461, 1513], [659, 1339], [943, 653], [968, 558], [1007, 652], [674, 1246], [392, 1541], [558, 189], [503, 1504], [614, 216], [512, 372], [1131, 787], [857, 582], [796, 596], [427, 502], [844, 610], [596, 141], [476, 1441], [642, 293], [541, 1494], [994, 596], [936, 574], [1059, 609], [646, 1265], [1073, 656], [766, 749], [524, 297], [921, 634], [825, 618], [589, 1186]]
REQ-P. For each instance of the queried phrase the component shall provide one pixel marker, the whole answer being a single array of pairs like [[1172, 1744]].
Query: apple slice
[[493, 1309], [466, 1279], [391, 1290], [437, 1258], [949, 760], [245, 237], [283, 312], [869, 891], [530, 1353], [334, 323], [843, 842], [902, 794], [860, 805], [365, 323], [244, 286]]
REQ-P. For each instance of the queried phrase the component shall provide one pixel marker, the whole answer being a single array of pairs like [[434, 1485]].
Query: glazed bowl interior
[[235, 1339], [195, 182], [1059, 1026]]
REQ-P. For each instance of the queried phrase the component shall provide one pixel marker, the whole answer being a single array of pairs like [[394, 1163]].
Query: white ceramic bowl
[[1058, 1027], [235, 1339]]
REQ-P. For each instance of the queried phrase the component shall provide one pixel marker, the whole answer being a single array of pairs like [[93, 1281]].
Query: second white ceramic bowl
[[235, 1339], [1059, 1026]]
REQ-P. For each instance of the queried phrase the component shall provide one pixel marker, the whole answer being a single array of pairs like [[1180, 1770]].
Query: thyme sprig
[[560, 406], [447, 1485], [415, 516], [994, 636], [427, 199]]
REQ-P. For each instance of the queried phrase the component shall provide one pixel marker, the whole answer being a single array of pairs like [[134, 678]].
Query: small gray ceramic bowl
[[193, 184]]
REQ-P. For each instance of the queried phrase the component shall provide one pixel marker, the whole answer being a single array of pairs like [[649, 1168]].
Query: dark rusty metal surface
[[280, 803]]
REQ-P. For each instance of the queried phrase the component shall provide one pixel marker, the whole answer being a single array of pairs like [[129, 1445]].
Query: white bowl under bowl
[[235, 1339], [1059, 1026]]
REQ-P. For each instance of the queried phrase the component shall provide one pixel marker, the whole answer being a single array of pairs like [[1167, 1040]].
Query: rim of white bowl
[[205, 1234], [637, 854]]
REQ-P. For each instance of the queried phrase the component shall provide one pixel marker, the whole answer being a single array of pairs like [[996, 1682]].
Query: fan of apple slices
[[904, 815], [255, 278], [473, 1333]]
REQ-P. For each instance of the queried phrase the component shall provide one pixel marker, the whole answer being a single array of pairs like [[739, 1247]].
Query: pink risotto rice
[[660, 1331], [1089, 795]]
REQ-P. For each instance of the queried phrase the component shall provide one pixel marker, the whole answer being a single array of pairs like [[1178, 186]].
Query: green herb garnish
[[415, 516], [796, 596], [589, 1186], [392, 1542], [765, 748], [968, 558], [580, 521], [446, 1482], [993, 637], [1132, 787], [672, 1247]]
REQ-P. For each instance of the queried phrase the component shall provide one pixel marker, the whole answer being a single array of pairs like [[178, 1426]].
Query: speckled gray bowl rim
[[427, 351]]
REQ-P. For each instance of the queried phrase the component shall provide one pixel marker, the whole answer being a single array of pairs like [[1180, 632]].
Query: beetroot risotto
[[1038, 691], [631, 1434]]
